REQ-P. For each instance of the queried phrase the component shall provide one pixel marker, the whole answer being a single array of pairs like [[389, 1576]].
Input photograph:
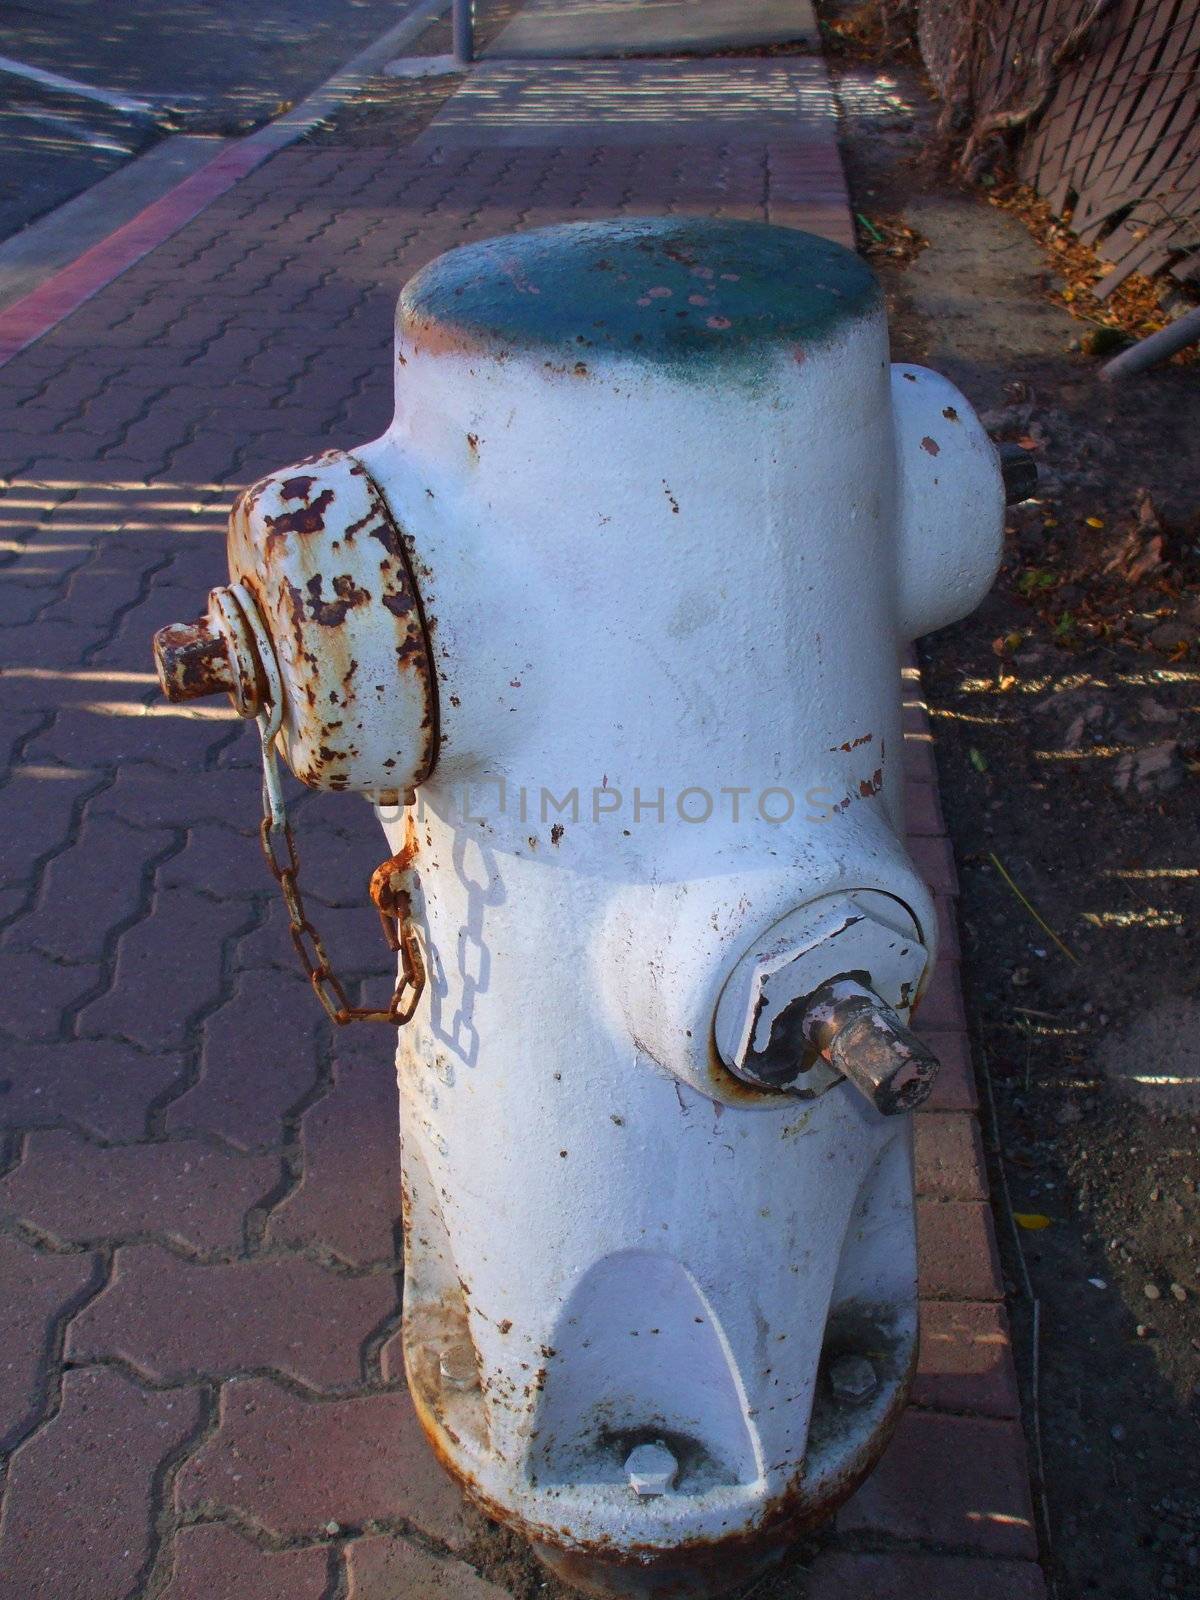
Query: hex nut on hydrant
[[852, 1379], [457, 1366], [651, 1469], [606, 624]]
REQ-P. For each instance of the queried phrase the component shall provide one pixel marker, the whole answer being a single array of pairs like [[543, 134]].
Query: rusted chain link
[[389, 890]]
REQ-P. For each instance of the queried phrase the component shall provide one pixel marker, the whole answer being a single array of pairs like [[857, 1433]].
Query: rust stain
[[311, 519], [931, 446], [192, 661], [332, 613], [852, 744], [871, 785], [950, 414], [321, 591], [295, 488], [731, 1088]]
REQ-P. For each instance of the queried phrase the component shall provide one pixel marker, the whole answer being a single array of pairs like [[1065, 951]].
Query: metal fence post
[[464, 31]]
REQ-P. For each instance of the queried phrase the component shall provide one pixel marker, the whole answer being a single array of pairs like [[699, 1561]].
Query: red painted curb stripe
[[43, 308]]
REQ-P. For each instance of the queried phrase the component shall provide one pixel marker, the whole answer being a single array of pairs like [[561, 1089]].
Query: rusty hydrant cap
[[192, 661], [221, 652]]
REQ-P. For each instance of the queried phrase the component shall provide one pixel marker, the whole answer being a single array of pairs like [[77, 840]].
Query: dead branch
[[1047, 72]]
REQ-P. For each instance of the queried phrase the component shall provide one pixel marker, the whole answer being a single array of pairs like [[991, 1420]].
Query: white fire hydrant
[[607, 624]]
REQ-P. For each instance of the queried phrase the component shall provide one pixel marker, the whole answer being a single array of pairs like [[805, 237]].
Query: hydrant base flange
[[676, 1579]]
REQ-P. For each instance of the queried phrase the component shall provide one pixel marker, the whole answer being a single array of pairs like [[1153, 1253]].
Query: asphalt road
[[206, 66]]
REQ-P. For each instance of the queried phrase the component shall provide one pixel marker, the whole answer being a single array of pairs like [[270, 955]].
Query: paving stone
[[295, 1465], [212, 1562], [195, 569], [104, 1086], [914, 712], [383, 1566], [207, 459], [949, 947], [838, 1575], [923, 811], [175, 1319], [12, 902], [21, 604], [348, 1198], [262, 1052], [949, 1157], [168, 968], [962, 1482], [44, 564], [940, 1009], [966, 1360], [36, 1290], [219, 861], [100, 881], [340, 855], [178, 1189], [935, 862], [110, 729], [40, 807], [42, 659], [152, 796], [38, 991], [351, 933], [79, 1506], [920, 765], [956, 1251], [954, 1086]]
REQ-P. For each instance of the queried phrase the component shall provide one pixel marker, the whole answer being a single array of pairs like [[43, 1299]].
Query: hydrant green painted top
[[669, 291]]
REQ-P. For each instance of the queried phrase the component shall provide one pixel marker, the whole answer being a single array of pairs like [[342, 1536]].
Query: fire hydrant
[[607, 625]]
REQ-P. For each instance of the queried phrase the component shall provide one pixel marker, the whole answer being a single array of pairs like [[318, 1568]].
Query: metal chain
[[390, 891]]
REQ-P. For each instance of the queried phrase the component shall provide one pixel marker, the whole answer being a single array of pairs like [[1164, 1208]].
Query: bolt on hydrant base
[[607, 626]]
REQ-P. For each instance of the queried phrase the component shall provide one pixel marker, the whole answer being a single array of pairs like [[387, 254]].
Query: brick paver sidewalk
[[201, 1393]]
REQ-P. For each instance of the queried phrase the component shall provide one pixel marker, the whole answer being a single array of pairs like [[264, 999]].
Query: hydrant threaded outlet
[[1020, 473], [192, 661], [862, 1038]]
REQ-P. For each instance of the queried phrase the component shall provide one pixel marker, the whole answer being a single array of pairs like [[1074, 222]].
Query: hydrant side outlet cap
[[664, 290]]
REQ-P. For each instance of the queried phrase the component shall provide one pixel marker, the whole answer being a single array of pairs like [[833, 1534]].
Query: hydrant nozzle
[[865, 1040], [1019, 472], [223, 652], [192, 661]]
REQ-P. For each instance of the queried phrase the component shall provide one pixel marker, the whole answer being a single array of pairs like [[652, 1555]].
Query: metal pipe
[[463, 13], [1156, 347]]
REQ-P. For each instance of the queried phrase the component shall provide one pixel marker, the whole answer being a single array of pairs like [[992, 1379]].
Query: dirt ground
[[1067, 722]]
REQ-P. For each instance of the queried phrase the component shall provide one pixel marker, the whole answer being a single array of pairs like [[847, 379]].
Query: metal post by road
[[464, 31]]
